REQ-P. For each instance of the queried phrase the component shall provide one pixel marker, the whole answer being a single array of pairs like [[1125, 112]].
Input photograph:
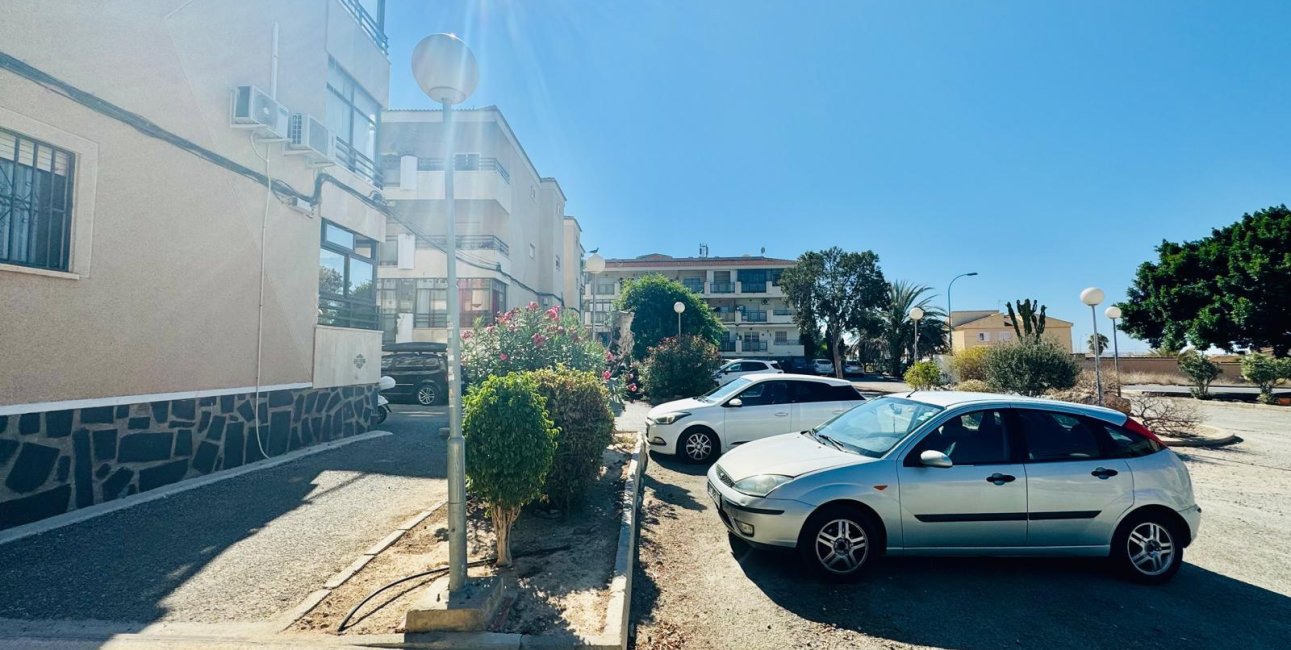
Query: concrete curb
[[1203, 443], [615, 632], [339, 578], [90, 512]]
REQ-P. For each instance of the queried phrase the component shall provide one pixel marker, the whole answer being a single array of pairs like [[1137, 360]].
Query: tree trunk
[[835, 340], [502, 520]]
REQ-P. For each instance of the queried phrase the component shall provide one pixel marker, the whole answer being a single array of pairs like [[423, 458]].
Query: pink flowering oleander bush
[[530, 338]]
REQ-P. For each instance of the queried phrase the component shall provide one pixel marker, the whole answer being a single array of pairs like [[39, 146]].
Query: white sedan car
[[946, 473], [741, 367], [749, 408]]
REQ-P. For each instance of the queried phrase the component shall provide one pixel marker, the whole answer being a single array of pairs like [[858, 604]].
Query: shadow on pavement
[[975, 603], [678, 465]]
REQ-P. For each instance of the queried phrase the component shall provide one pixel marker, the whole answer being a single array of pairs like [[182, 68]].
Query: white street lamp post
[[446, 71], [1092, 297], [679, 307], [595, 264], [916, 315], [950, 320], [1114, 313]]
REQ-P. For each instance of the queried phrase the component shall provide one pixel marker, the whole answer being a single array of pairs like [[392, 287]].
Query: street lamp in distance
[[916, 315], [680, 308], [1093, 296], [950, 321], [1114, 314]]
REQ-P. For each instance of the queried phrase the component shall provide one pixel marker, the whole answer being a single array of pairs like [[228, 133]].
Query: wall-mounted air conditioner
[[307, 136], [254, 109]]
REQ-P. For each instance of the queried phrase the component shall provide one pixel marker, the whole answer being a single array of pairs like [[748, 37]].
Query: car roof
[[757, 376], [949, 398]]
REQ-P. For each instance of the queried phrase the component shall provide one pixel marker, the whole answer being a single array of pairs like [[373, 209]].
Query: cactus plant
[[1027, 322]]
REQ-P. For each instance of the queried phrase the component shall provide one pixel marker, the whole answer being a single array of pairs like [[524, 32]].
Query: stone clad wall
[[57, 461]]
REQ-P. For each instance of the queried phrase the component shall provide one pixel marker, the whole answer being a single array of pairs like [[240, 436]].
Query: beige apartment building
[[188, 239], [743, 291], [978, 328], [515, 243]]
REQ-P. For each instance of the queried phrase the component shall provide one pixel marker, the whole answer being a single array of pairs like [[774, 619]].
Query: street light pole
[[679, 307], [1114, 313], [446, 71], [1092, 297], [916, 314], [950, 320]]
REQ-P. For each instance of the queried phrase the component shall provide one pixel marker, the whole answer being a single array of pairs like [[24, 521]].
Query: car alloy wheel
[[841, 546], [1150, 548], [698, 446], [427, 394]]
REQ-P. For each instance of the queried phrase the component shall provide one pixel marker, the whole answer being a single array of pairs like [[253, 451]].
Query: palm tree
[[896, 331], [1097, 350]]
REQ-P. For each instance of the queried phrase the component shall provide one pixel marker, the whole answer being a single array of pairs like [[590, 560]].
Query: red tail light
[[1136, 427]]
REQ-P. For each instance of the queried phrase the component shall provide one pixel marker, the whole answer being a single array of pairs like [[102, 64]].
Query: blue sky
[[1048, 146]]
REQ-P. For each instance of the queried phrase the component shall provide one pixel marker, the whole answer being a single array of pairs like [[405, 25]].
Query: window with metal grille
[[35, 203], [353, 116], [347, 276]]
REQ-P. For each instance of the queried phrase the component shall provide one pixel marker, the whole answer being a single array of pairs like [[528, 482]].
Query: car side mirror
[[934, 458], [735, 403]]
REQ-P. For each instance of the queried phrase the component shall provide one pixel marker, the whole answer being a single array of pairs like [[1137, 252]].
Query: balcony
[[371, 25], [754, 316], [721, 287], [753, 346], [761, 289], [482, 181], [728, 316], [476, 243], [726, 345], [694, 285]]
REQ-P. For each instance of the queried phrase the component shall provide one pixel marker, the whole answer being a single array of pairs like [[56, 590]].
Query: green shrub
[[1266, 372], [924, 375], [675, 369], [973, 386], [530, 338], [578, 404], [970, 364], [509, 446], [1030, 368], [1200, 370]]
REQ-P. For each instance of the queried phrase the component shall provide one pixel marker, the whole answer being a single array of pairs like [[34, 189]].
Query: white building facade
[[744, 292], [515, 244]]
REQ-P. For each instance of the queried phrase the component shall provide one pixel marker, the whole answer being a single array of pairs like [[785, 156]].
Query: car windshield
[[722, 392], [875, 427]]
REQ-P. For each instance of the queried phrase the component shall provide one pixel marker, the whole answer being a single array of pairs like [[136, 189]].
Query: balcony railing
[[356, 162], [751, 316], [726, 316], [782, 312], [370, 26], [721, 287], [475, 242], [340, 312], [753, 287], [754, 346], [697, 286], [463, 163], [726, 346]]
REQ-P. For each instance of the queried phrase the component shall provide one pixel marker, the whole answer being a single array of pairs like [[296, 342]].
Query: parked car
[[749, 408], [936, 473], [822, 367], [853, 368], [740, 367], [420, 372]]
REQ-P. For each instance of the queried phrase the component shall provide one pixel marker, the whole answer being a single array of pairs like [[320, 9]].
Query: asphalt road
[[694, 588], [240, 550]]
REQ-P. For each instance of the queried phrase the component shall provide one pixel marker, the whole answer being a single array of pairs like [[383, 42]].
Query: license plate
[[714, 495]]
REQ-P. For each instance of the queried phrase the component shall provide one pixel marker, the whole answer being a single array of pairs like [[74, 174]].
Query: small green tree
[[835, 292], [1027, 322], [970, 364], [1200, 370], [651, 298], [578, 404], [510, 442], [1266, 372], [676, 369], [924, 375], [1030, 367], [530, 338]]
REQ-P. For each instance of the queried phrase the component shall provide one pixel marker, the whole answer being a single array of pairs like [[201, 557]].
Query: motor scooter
[[383, 404]]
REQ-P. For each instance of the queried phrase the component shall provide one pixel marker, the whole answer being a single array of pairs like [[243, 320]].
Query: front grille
[[724, 478]]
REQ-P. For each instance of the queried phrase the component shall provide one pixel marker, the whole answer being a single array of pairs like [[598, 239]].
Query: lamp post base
[[468, 609]]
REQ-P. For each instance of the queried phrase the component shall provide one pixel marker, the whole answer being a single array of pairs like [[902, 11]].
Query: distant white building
[[514, 241], [743, 291]]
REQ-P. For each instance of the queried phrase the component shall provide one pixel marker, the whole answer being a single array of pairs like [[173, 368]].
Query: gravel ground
[[695, 588], [244, 549]]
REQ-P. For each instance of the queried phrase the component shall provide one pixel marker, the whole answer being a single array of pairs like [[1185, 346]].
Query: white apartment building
[[186, 287], [743, 291], [515, 244]]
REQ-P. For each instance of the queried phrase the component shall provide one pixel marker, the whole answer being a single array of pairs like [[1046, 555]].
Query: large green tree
[[834, 292], [651, 299], [1228, 290], [897, 330]]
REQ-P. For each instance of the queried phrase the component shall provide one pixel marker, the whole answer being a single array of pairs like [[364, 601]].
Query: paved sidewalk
[[241, 550]]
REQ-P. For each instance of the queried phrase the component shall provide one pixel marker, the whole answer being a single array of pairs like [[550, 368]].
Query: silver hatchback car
[[947, 473]]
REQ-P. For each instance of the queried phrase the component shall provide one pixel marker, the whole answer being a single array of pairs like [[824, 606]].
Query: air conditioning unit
[[255, 109], [307, 136]]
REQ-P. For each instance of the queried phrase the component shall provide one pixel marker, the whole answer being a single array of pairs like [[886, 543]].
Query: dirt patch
[[557, 587]]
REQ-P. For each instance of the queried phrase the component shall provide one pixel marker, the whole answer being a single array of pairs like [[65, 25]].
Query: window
[[976, 438], [818, 391], [983, 336], [390, 252], [752, 366], [352, 116], [765, 394], [1125, 444], [480, 299], [346, 279], [35, 203], [425, 298], [1051, 436], [782, 338]]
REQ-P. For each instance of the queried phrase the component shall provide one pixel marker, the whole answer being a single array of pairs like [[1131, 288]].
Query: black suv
[[419, 370]]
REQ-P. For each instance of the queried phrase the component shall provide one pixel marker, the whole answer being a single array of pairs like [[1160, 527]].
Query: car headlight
[[669, 418], [762, 484]]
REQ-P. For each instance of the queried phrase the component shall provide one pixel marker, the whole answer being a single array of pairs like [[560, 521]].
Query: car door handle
[[782, 414], [1104, 473], [1000, 479]]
